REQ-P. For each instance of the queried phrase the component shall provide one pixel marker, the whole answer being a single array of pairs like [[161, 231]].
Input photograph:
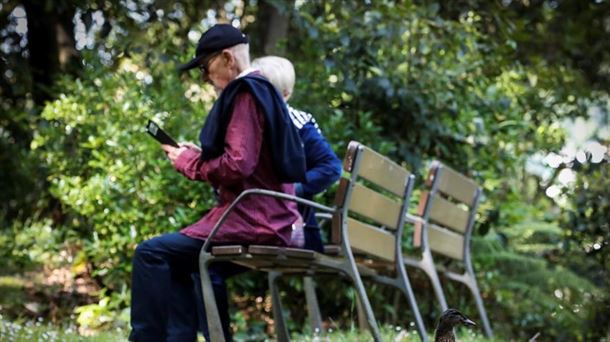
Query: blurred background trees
[[514, 93]]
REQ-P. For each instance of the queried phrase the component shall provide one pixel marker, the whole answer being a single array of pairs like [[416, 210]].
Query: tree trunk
[[50, 44], [274, 19]]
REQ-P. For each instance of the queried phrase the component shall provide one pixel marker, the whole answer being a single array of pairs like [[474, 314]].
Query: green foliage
[[114, 183], [481, 87], [587, 218], [30, 243], [108, 313], [436, 88], [586, 222], [439, 88], [534, 292]]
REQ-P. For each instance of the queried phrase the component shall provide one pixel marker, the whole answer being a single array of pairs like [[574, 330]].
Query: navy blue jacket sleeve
[[323, 166]]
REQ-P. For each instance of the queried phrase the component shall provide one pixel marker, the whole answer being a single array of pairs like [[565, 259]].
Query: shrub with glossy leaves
[[113, 180]]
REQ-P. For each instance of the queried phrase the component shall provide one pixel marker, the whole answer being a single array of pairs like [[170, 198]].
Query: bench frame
[[359, 161], [454, 188], [443, 221]]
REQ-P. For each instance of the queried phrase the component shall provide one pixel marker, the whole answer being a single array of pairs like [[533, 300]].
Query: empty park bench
[[442, 228], [368, 218]]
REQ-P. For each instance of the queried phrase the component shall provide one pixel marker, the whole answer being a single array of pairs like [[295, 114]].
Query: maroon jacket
[[245, 164]]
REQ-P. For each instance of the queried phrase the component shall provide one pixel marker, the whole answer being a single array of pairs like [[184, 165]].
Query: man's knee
[[147, 250], [143, 247]]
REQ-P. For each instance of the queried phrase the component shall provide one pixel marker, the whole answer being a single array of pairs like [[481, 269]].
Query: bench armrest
[[323, 216], [261, 192]]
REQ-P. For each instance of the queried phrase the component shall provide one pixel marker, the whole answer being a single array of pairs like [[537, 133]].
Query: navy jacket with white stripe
[[323, 169]]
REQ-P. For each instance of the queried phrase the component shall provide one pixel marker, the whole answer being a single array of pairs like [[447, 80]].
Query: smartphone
[[156, 132]]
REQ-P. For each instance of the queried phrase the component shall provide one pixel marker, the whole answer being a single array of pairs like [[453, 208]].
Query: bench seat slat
[[263, 250], [286, 251], [228, 250], [300, 253], [332, 249]]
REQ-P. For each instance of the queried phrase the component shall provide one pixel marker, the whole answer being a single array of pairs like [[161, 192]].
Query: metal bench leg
[[472, 285], [470, 281], [211, 309], [368, 310], [360, 311], [427, 265], [405, 286], [278, 313], [313, 308], [352, 272]]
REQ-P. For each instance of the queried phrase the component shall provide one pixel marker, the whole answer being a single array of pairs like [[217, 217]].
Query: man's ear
[[228, 58]]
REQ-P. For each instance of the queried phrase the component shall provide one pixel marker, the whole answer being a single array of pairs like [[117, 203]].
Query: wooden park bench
[[367, 221], [443, 229]]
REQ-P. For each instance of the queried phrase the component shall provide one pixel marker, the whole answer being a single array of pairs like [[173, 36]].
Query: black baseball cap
[[218, 37]]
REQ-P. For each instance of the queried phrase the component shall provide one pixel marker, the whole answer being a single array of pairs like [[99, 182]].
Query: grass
[[388, 333], [37, 331], [17, 326]]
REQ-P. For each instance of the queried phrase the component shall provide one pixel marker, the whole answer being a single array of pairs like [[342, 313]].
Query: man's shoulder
[[254, 79], [257, 86], [244, 94]]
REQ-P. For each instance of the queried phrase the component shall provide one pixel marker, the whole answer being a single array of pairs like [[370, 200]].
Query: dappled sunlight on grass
[[12, 294], [37, 331]]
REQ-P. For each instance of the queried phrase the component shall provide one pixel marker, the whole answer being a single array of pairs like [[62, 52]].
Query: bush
[[114, 183]]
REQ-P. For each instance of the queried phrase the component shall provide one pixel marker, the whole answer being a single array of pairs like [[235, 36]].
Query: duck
[[448, 320]]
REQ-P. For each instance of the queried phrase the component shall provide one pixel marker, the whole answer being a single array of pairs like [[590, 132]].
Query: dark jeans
[[163, 296]]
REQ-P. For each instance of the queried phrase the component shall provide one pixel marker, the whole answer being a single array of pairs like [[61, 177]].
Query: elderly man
[[247, 141]]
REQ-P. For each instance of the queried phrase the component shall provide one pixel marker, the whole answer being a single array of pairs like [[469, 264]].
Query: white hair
[[279, 71], [242, 56]]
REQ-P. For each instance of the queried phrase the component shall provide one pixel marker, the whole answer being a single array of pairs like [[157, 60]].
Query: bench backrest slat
[[452, 184], [371, 240], [373, 202], [448, 209], [375, 206], [445, 212], [446, 242], [380, 170]]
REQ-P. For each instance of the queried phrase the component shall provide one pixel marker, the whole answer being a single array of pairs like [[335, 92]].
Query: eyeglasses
[[204, 67]]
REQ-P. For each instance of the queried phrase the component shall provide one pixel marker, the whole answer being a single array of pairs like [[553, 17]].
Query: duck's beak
[[467, 321]]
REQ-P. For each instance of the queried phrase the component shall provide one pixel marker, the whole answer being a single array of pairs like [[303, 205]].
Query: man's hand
[[189, 145], [173, 152]]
